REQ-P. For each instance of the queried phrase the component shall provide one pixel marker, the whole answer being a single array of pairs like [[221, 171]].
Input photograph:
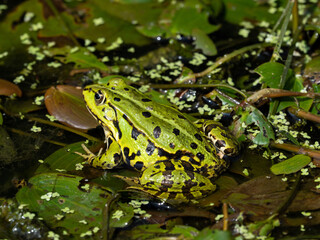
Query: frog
[[177, 158]]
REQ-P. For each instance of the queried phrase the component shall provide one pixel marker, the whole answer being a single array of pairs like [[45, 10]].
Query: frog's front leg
[[173, 179], [109, 159]]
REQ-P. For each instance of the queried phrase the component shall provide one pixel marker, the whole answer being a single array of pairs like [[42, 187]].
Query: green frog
[[177, 158]]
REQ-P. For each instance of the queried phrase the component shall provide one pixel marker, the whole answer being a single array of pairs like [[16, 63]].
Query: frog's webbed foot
[[109, 159], [174, 182], [88, 156]]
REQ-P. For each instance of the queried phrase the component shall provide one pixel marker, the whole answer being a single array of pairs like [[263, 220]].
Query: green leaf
[[291, 165], [266, 132], [209, 234], [237, 11], [186, 231], [187, 19], [84, 59], [63, 159], [55, 195], [204, 43], [271, 73]]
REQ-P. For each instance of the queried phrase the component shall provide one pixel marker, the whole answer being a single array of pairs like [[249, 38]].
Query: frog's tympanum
[[176, 157]]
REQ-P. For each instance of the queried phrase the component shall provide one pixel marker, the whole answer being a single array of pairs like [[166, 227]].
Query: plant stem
[[305, 115], [296, 149], [287, 13]]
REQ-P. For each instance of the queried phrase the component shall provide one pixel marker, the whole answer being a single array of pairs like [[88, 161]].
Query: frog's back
[[167, 127]]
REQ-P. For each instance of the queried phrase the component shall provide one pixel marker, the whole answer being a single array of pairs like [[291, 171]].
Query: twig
[[296, 149], [275, 93], [225, 216], [226, 58], [305, 115]]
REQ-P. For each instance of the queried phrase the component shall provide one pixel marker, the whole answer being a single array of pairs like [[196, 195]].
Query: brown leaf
[[66, 104], [8, 88], [259, 197]]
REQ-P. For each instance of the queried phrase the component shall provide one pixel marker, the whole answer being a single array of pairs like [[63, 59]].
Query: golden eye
[[99, 98]]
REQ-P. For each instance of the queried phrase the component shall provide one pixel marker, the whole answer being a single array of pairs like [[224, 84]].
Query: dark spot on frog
[[126, 89], [116, 125], [138, 165], [150, 148], [161, 152], [172, 195], [200, 156], [116, 157], [108, 84], [126, 152], [166, 183], [198, 136], [127, 156], [208, 149], [146, 114], [135, 133], [171, 145], [138, 153], [194, 162], [201, 184], [113, 88], [145, 100], [193, 145], [220, 143], [181, 117], [117, 99], [229, 151], [176, 131], [157, 166], [157, 132]]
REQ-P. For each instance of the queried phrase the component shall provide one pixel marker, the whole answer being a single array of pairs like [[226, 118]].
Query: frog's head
[[98, 100]]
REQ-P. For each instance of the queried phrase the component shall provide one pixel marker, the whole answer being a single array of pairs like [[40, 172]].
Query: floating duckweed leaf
[[66, 104], [62, 201], [8, 88], [291, 165]]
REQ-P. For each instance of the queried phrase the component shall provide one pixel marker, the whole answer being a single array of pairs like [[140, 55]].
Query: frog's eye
[[99, 98]]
